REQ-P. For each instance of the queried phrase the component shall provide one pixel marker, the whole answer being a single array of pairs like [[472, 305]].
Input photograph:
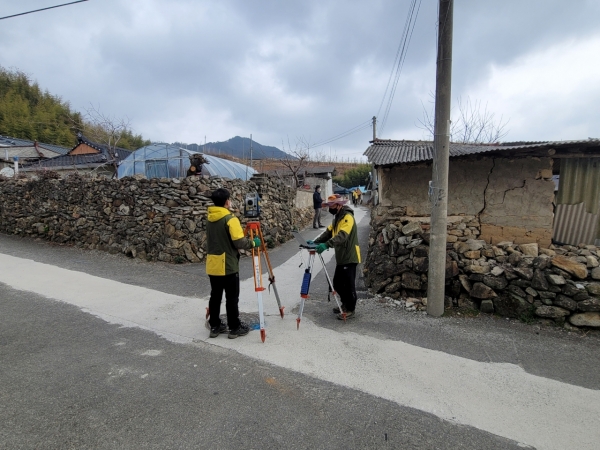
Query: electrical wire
[[43, 9], [401, 53]]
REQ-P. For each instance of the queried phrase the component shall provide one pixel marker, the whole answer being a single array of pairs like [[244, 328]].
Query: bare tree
[[474, 125], [296, 159], [107, 131]]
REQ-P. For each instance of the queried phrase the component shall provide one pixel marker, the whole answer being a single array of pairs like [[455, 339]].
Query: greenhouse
[[172, 161]]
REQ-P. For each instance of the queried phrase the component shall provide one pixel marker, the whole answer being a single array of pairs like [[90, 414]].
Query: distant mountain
[[238, 147]]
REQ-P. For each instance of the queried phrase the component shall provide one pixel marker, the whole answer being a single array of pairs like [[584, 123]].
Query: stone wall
[[511, 198], [153, 219], [514, 280]]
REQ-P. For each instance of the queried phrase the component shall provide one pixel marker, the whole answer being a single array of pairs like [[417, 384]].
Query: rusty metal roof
[[386, 152]]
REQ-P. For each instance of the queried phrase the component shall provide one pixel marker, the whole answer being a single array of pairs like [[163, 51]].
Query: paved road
[[100, 351]]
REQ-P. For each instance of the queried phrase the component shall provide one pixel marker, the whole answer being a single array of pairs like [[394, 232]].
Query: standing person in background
[[354, 197], [317, 203], [224, 237], [342, 236]]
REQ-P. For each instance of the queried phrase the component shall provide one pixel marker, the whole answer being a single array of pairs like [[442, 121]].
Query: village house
[[25, 151], [523, 192], [85, 157]]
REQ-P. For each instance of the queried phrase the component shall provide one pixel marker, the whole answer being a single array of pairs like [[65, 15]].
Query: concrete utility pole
[[438, 190], [374, 127]]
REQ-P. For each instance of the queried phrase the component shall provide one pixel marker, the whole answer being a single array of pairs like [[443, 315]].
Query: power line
[[43, 9], [407, 32]]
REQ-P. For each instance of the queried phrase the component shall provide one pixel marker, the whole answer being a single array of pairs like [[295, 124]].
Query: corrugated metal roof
[[385, 152]]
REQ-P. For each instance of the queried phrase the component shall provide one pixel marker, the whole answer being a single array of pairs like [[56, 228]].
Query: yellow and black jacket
[[224, 236], [342, 235]]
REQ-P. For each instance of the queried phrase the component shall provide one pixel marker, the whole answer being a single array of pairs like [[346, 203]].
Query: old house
[[86, 156], [524, 192], [26, 152]]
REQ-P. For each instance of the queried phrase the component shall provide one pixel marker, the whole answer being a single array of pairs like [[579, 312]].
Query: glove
[[321, 248], [310, 242], [256, 242]]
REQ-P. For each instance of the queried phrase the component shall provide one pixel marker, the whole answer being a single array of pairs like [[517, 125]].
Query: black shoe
[[243, 330], [322, 226], [316, 228], [336, 310], [215, 331]]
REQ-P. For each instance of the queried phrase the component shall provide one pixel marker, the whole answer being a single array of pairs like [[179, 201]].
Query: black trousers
[[344, 283], [231, 285]]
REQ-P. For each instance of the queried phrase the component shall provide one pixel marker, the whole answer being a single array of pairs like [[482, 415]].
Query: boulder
[[529, 249], [557, 280], [565, 302], [524, 272], [487, 307], [497, 283], [411, 228], [588, 319], [538, 281], [574, 268], [480, 290], [511, 306], [596, 273], [464, 281], [551, 312], [411, 281], [593, 288], [592, 304]]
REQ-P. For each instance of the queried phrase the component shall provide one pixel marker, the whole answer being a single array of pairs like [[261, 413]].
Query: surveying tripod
[[253, 229], [306, 284]]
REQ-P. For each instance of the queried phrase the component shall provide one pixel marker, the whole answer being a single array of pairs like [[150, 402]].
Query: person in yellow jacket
[[342, 236], [224, 237]]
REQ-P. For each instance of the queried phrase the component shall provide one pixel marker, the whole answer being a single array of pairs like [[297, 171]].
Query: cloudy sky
[[309, 70]]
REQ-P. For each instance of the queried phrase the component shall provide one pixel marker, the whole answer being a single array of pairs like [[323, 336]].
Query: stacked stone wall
[[524, 281], [152, 219]]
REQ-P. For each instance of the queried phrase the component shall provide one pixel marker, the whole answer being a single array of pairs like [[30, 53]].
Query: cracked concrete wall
[[512, 197]]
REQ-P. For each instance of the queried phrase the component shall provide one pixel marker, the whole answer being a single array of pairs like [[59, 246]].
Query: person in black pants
[[342, 236], [224, 237], [317, 204]]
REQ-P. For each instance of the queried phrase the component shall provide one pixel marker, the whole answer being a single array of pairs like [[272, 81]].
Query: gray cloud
[[277, 69]]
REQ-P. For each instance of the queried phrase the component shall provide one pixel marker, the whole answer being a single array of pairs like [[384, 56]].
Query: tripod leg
[[336, 296], [271, 274], [305, 287], [258, 287]]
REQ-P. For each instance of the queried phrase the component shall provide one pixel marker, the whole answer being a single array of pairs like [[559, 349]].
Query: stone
[[551, 312], [591, 262], [557, 280], [596, 273], [592, 304], [497, 283], [538, 281], [420, 264], [588, 319], [497, 271], [478, 269], [516, 290], [411, 281], [464, 281], [472, 254], [576, 269], [529, 249], [411, 228], [547, 252], [524, 272], [565, 302], [378, 286], [531, 292], [546, 294], [414, 243], [509, 306], [514, 258], [480, 290], [487, 307], [451, 269], [392, 287], [593, 288]]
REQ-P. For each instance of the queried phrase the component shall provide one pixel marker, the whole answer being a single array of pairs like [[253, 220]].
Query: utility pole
[[438, 188], [374, 127]]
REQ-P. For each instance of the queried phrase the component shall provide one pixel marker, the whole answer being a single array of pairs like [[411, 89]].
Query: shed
[[508, 188]]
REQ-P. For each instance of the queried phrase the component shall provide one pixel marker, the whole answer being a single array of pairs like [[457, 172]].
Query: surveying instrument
[[304, 289], [252, 210]]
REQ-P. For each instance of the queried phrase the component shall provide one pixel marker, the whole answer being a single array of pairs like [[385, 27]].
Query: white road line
[[499, 398]]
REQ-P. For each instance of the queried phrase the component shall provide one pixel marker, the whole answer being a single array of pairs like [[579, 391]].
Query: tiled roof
[[385, 152], [7, 141], [29, 152]]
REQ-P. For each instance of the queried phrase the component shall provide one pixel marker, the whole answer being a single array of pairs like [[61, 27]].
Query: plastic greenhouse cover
[[171, 161]]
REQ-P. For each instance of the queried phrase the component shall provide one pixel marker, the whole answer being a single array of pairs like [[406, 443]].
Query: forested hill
[[27, 112], [238, 147]]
